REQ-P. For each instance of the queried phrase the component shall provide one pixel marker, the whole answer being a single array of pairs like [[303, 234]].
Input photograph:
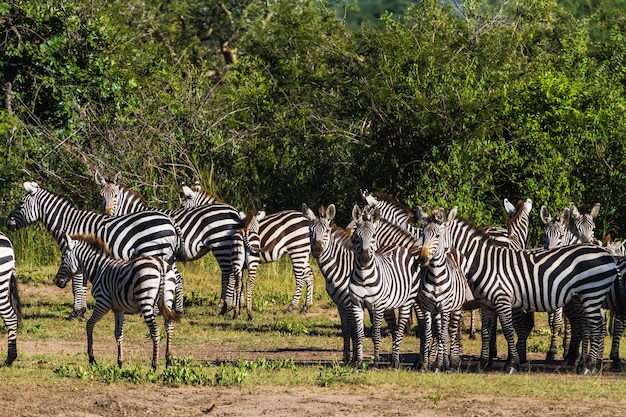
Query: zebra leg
[[79, 290], [98, 313], [305, 273], [180, 298], [345, 332], [487, 317], [441, 330], [154, 333], [10, 321], [472, 329], [404, 314], [596, 323], [119, 336], [228, 285], [424, 333], [358, 334], [523, 323], [616, 336], [576, 332], [169, 332], [249, 286], [377, 321], [555, 320], [505, 313], [455, 343], [493, 341]]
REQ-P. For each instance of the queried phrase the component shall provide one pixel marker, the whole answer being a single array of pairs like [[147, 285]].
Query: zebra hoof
[[617, 366], [551, 357], [77, 315], [583, 371], [510, 370]]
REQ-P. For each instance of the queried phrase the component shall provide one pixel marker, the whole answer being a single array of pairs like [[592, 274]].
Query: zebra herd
[[381, 262]]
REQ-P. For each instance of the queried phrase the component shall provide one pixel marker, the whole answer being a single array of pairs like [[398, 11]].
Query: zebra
[[331, 247], [284, 232], [616, 248], [245, 255], [443, 290], [144, 233], [504, 279], [382, 278], [137, 285], [10, 307]]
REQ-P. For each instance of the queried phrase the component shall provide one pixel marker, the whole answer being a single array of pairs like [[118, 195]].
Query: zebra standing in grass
[[382, 279], [443, 290], [245, 255], [146, 233], [284, 232], [137, 285], [10, 308], [331, 246], [505, 279]]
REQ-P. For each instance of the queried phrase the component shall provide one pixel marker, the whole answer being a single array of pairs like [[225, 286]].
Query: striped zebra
[[138, 285], [443, 290], [383, 278], [10, 307], [284, 232], [503, 279], [616, 248], [147, 233], [245, 255]]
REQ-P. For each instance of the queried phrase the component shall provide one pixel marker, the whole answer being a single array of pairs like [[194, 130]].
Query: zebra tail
[[164, 307], [14, 296]]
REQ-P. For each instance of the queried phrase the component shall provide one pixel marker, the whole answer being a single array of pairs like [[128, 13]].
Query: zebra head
[[69, 262], [435, 240], [197, 196], [28, 210], [320, 228], [110, 193], [581, 222], [554, 231], [365, 231]]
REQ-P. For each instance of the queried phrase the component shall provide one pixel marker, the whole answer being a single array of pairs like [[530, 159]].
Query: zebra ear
[[330, 212], [100, 179], [573, 211], [452, 213], [118, 178], [242, 215], [70, 242], [376, 214], [421, 214], [528, 205], [369, 198], [31, 187], [308, 213], [510, 208], [595, 210], [544, 214], [356, 213], [261, 214], [187, 191]]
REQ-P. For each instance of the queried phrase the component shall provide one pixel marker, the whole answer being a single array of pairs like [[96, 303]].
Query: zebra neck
[[63, 218]]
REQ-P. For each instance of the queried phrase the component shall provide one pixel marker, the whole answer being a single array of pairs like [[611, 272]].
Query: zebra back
[[392, 211]]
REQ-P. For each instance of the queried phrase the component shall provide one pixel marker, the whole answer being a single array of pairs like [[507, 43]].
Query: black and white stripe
[[139, 285], [392, 211], [149, 233], [443, 290], [10, 308], [382, 279], [505, 279]]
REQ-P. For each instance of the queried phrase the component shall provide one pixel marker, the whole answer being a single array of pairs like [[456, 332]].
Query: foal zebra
[[137, 285], [505, 279], [443, 289], [10, 308], [382, 279], [145, 233]]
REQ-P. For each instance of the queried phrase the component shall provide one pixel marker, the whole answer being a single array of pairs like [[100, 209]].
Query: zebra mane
[[518, 211], [93, 242], [134, 194], [393, 202], [249, 217], [197, 187]]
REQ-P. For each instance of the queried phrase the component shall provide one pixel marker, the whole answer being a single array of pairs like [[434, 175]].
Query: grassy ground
[[275, 349]]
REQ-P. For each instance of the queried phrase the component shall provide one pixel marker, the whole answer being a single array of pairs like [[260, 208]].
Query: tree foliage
[[281, 102]]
